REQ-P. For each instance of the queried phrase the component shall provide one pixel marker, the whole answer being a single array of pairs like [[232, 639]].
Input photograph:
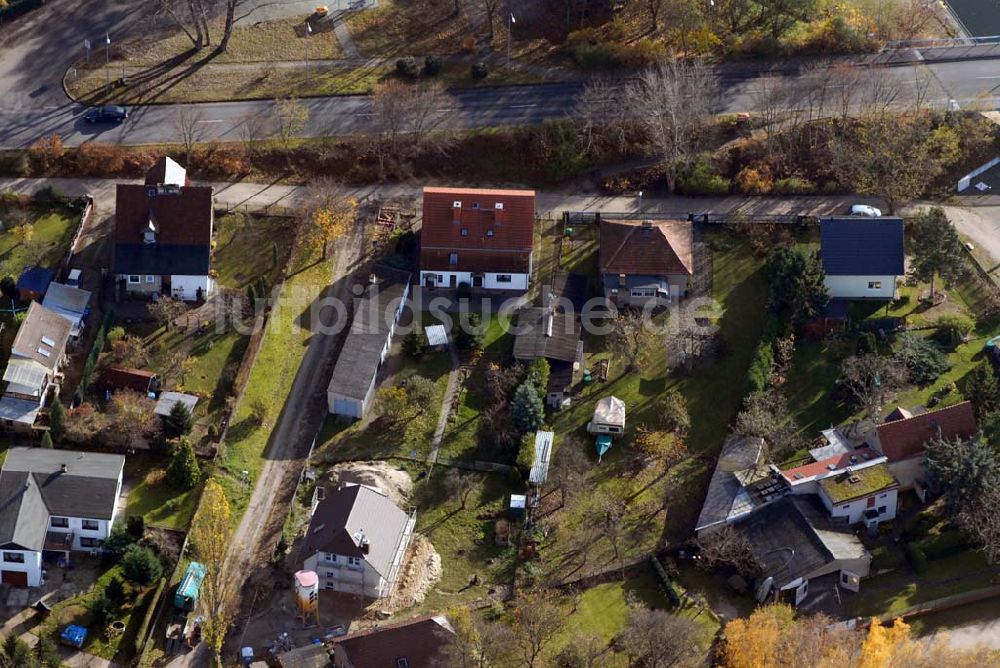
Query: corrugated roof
[[350, 512], [543, 454], [541, 332], [35, 279], [167, 400], [652, 248], [42, 336], [28, 373], [725, 498], [905, 438], [862, 246]]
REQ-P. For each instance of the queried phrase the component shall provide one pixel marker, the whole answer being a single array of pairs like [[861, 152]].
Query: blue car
[[109, 113]]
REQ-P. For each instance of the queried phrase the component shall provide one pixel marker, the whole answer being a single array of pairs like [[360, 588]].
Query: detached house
[[357, 541], [163, 235], [643, 262], [53, 502], [480, 238], [862, 257], [36, 358], [903, 436], [549, 333], [417, 643]]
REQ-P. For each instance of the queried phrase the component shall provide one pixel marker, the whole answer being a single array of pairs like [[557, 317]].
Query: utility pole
[[309, 32], [510, 28], [107, 62]]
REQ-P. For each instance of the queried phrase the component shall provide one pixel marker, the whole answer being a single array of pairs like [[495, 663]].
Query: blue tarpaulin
[[74, 636], [603, 445]]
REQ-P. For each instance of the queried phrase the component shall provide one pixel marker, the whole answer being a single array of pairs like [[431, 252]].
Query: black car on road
[[106, 114]]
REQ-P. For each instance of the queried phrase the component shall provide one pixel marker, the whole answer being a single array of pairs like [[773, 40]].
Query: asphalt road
[[38, 48]]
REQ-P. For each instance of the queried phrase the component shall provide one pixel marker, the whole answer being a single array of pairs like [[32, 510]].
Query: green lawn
[[151, 497], [246, 249], [54, 227], [274, 371]]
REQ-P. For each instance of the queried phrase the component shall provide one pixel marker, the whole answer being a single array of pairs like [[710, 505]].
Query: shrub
[[480, 70], [45, 152], [469, 335], [183, 471], [136, 526], [117, 541], [47, 440], [538, 374], [413, 344], [793, 186], [47, 195], [700, 179], [922, 358], [526, 453], [432, 66], [114, 591], [468, 44], [916, 557], [885, 558], [944, 544], [407, 67], [527, 410], [98, 159], [671, 410], [759, 374], [101, 610], [867, 343], [14, 163], [140, 565], [953, 329], [754, 180]]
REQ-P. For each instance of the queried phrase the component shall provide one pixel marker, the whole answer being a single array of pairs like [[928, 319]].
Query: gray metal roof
[[167, 400], [859, 246], [28, 373], [542, 333], [726, 498], [33, 487], [543, 454], [66, 297], [353, 511], [18, 410], [360, 355]]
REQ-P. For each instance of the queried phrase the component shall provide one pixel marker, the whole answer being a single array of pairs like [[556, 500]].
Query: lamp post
[[309, 32], [107, 62], [510, 27], [639, 206]]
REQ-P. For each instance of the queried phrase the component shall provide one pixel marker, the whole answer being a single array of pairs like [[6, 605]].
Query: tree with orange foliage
[[46, 151]]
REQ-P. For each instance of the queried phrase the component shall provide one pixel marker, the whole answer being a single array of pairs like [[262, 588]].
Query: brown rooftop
[[650, 248]]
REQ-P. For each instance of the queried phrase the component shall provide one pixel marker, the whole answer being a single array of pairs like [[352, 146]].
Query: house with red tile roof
[[902, 440], [163, 235], [644, 261], [479, 238], [854, 486]]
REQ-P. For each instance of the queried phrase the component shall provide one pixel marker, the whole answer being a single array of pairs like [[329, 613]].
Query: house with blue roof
[[863, 257]]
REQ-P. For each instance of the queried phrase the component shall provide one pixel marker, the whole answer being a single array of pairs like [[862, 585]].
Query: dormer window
[[149, 237], [489, 233]]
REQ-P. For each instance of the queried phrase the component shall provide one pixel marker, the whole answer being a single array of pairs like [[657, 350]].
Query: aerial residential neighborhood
[[454, 333]]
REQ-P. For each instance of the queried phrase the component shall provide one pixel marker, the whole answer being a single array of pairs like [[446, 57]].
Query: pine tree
[[47, 440], [527, 409], [183, 471], [982, 390], [936, 248], [179, 422], [57, 419]]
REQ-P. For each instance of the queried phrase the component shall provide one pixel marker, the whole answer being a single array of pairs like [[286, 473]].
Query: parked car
[[109, 113], [865, 210]]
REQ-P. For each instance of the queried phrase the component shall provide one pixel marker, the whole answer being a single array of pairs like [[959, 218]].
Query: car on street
[[865, 210], [109, 113]]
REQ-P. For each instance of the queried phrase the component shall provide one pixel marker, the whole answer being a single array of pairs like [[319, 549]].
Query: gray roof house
[[862, 257], [357, 540], [38, 353], [738, 484], [54, 501], [70, 302], [376, 314], [550, 333]]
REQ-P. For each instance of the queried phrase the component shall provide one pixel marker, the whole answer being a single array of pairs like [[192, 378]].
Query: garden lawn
[[246, 248], [284, 346], [151, 497], [54, 227]]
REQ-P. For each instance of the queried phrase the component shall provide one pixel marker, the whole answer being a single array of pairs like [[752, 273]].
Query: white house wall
[[856, 287], [345, 579], [186, 287], [854, 510], [442, 279], [32, 565]]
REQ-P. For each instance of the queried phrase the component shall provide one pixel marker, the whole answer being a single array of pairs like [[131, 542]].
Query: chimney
[[63, 468]]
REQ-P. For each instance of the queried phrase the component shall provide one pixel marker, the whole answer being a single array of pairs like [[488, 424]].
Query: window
[[150, 279], [882, 510], [59, 522], [489, 233], [330, 557], [465, 231], [353, 561], [614, 429], [133, 279], [149, 237], [91, 525], [401, 662], [13, 557], [88, 542], [503, 278], [453, 258], [874, 285]]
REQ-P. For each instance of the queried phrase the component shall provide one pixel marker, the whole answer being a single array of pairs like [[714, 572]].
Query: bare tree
[[227, 28], [600, 121], [658, 639], [980, 520], [189, 125], [459, 484], [569, 470], [765, 414], [538, 623], [631, 338], [191, 16], [290, 117], [728, 547], [871, 378], [673, 102], [407, 118], [491, 7], [843, 80], [253, 128]]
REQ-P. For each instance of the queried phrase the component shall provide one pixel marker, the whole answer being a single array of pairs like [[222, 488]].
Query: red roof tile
[[652, 248], [903, 439], [490, 230], [862, 454]]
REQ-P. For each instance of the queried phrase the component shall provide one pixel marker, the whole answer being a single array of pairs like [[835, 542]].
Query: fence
[[88, 212], [704, 218]]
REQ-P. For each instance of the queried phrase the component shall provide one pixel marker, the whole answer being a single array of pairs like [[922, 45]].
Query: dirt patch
[[391, 481], [417, 576], [165, 542]]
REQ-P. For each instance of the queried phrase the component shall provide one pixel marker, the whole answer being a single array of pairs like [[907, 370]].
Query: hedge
[[666, 585], [95, 352], [916, 557], [944, 544], [759, 374], [140, 637]]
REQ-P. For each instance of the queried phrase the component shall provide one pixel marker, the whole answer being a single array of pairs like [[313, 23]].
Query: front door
[[477, 281], [19, 578], [452, 281], [429, 281]]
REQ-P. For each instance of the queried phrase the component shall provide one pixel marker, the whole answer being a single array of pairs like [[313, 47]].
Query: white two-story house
[[53, 502], [36, 359], [357, 541], [163, 235]]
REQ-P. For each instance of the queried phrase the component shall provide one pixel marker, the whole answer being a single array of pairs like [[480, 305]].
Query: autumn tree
[[936, 248], [871, 378], [459, 484], [328, 216], [131, 419], [671, 409], [728, 546], [665, 447], [673, 104], [394, 403], [23, 234], [130, 351], [290, 118], [765, 414], [632, 338], [536, 623], [166, 310], [210, 535]]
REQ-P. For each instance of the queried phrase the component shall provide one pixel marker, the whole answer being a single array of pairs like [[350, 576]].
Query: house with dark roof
[[357, 541], [479, 238], [862, 257], [795, 542], [53, 502], [903, 437], [417, 643], [36, 360], [739, 485], [376, 316], [854, 486], [645, 261], [550, 333], [163, 235]]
